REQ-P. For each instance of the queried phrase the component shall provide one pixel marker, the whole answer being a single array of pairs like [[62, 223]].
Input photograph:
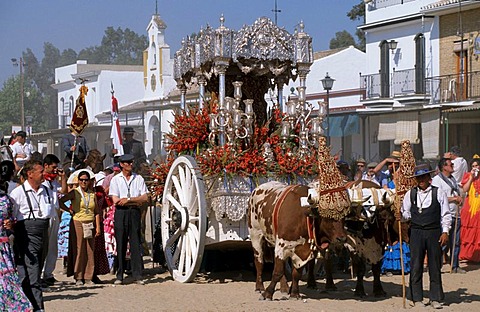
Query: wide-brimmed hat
[[128, 130], [396, 154], [90, 173], [361, 160], [421, 170]]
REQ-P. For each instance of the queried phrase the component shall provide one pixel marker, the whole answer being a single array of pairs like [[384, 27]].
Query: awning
[[407, 128], [475, 106], [346, 125], [399, 127], [430, 130]]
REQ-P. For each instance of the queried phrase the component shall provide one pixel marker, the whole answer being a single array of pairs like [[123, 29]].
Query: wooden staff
[[399, 210], [452, 249]]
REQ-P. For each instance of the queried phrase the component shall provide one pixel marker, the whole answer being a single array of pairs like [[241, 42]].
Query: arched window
[[71, 106], [419, 64], [154, 53]]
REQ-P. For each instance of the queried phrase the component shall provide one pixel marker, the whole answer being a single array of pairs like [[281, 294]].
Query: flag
[[115, 134], [80, 117]]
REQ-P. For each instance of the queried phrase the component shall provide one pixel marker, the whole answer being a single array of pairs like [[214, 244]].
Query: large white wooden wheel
[[184, 219]]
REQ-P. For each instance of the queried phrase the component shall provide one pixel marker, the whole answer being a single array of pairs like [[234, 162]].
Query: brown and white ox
[[370, 229], [277, 219]]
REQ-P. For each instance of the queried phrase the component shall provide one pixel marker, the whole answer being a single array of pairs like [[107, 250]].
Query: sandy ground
[[234, 291]]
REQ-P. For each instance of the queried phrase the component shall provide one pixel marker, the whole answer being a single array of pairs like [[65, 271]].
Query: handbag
[[87, 230]]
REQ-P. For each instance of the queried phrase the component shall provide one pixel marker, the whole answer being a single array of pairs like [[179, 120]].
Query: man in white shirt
[[445, 181], [460, 165], [427, 209], [32, 206], [128, 191], [21, 151], [51, 174]]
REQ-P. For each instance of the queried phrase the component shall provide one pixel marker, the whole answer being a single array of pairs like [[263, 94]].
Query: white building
[[141, 92], [407, 92]]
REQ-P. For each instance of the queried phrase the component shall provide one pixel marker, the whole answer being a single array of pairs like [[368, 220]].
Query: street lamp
[[22, 108], [327, 84], [392, 45]]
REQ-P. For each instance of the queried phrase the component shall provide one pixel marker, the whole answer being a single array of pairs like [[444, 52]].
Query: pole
[[453, 244], [22, 108], [328, 117], [404, 293], [72, 168]]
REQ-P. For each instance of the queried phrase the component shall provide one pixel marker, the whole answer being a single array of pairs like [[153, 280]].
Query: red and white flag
[[115, 134]]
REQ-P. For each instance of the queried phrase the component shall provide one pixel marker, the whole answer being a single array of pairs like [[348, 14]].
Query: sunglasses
[[83, 180], [360, 165]]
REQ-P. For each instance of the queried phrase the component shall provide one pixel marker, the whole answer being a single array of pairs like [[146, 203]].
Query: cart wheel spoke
[[184, 219]]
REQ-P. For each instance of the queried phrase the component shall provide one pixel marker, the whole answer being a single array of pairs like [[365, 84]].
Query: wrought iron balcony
[[454, 87], [438, 89]]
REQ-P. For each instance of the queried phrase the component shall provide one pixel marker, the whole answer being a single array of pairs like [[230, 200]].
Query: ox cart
[[221, 149]]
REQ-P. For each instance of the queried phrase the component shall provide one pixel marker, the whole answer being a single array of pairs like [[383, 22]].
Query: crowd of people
[[51, 210], [93, 219], [443, 211]]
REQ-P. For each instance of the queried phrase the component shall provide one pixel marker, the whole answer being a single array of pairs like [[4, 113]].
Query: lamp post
[[327, 84], [22, 108]]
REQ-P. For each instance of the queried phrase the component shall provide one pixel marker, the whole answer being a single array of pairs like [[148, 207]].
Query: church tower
[[157, 64]]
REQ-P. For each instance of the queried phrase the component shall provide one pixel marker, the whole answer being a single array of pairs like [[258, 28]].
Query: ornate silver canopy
[[261, 49]]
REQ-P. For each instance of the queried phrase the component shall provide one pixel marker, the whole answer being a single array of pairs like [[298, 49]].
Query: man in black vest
[[427, 208]]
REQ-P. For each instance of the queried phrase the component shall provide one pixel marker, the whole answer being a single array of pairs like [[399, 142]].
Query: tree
[[40, 99], [342, 39], [118, 47], [357, 13]]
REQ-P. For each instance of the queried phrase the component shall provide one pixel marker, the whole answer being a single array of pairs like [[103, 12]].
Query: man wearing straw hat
[[386, 177], [427, 208]]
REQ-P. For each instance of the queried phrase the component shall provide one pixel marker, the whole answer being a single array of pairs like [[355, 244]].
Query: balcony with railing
[[378, 4], [454, 88], [403, 85]]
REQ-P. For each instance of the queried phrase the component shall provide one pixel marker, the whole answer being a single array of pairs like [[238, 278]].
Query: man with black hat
[[76, 146], [133, 147], [128, 192], [426, 206]]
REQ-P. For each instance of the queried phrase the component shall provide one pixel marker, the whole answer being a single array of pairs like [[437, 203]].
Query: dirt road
[[233, 291]]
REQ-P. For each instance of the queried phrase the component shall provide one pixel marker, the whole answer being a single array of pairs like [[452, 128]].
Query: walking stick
[[404, 294], [453, 244]]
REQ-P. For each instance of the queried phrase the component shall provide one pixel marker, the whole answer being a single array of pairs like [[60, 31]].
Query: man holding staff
[[426, 206]]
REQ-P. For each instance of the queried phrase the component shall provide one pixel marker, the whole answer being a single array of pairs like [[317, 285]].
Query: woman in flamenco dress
[[470, 214], [12, 297]]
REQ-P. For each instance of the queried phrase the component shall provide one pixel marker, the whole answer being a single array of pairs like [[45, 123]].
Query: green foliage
[[121, 47], [357, 13], [345, 39], [342, 39]]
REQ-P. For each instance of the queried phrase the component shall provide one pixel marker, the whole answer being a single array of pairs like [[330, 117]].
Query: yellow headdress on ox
[[402, 177], [333, 199]]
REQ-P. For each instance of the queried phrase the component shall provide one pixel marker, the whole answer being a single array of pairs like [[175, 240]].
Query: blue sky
[[80, 24]]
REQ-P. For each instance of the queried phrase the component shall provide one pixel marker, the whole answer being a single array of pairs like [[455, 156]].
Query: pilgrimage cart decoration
[[231, 141]]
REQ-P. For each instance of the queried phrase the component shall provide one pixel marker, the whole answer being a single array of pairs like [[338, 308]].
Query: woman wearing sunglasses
[[84, 227]]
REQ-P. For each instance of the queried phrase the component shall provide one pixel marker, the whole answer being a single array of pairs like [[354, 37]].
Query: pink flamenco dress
[[12, 297], [470, 228]]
